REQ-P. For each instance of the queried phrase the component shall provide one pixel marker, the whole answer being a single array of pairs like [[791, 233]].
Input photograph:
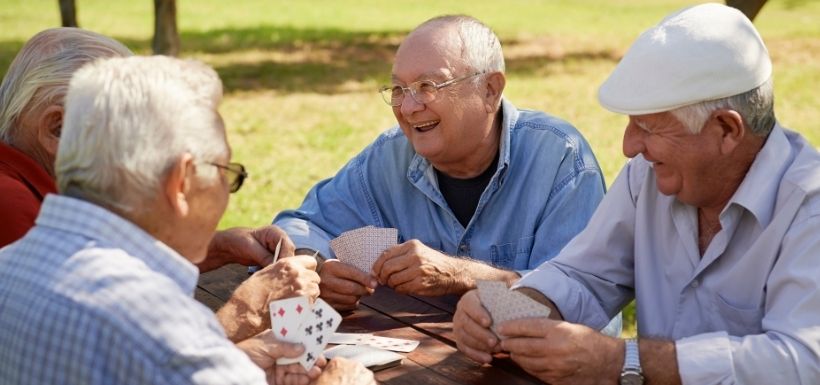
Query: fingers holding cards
[[296, 320], [504, 304]]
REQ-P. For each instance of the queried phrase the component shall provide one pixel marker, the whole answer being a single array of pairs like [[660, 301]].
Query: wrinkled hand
[[414, 268], [559, 352], [471, 326], [341, 371], [246, 312], [246, 246], [342, 285], [263, 349]]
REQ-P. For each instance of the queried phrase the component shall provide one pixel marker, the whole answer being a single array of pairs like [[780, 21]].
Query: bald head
[[466, 40]]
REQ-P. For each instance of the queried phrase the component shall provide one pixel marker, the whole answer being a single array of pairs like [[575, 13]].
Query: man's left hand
[[246, 246], [414, 268], [559, 352]]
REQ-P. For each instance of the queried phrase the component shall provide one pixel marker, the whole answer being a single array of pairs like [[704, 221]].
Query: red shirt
[[23, 185]]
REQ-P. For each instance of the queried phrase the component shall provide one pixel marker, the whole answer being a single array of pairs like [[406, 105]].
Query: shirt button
[[463, 247], [695, 284]]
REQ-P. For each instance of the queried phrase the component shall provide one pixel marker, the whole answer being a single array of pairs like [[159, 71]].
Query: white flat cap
[[705, 52]]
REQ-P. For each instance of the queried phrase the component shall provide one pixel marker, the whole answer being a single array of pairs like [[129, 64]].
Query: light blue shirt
[[546, 186], [748, 311], [88, 298]]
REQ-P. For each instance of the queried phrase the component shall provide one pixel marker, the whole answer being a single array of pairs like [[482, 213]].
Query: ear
[[729, 125], [49, 128], [495, 88], [178, 184]]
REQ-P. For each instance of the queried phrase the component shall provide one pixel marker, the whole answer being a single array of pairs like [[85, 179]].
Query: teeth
[[425, 125]]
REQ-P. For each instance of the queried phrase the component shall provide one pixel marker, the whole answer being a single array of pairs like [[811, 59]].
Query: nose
[[633, 140], [409, 105]]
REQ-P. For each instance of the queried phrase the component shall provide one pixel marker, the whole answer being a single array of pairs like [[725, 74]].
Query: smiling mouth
[[427, 126]]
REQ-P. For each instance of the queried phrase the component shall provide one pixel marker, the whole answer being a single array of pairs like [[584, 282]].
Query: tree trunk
[[166, 36], [750, 8], [68, 13]]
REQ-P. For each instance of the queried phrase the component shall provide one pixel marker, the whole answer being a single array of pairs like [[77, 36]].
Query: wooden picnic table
[[387, 313]]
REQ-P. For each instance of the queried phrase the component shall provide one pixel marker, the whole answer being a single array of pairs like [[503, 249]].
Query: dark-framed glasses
[[236, 174], [422, 91]]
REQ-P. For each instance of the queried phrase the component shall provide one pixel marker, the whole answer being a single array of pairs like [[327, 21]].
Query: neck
[[163, 225], [29, 147], [477, 160]]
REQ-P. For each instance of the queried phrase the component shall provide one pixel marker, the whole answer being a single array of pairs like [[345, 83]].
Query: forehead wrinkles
[[439, 49]]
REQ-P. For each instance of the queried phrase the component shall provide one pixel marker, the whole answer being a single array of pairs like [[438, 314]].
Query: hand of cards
[[296, 320], [505, 304], [363, 246]]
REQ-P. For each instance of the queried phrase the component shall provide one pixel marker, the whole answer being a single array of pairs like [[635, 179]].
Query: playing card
[[349, 338], [394, 344], [286, 316], [504, 304], [318, 331], [315, 330], [372, 358], [363, 246]]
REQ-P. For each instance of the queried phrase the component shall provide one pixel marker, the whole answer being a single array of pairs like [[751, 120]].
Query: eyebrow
[[424, 76], [641, 125]]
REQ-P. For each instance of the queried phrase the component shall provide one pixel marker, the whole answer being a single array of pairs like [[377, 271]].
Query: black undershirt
[[462, 195]]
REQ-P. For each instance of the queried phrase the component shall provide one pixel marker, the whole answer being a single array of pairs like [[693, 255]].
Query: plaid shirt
[[87, 297]]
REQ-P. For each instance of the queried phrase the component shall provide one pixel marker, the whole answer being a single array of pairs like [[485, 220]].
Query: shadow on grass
[[328, 61]]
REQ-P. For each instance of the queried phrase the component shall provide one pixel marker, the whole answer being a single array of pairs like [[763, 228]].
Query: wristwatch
[[631, 374], [320, 259]]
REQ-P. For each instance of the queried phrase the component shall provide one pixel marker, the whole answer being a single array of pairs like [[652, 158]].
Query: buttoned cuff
[[574, 301], [705, 359]]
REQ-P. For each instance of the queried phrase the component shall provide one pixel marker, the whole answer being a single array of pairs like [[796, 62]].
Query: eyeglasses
[[236, 174], [422, 91]]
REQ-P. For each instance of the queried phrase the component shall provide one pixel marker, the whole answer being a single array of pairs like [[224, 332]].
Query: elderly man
[[477, 188], [31, 116], [713, 227], [99, 291]]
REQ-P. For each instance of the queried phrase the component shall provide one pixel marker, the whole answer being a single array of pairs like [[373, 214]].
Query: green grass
[[300, 75]]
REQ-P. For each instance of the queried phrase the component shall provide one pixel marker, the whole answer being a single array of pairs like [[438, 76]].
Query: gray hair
[[128, 120], [756, 106], [481, 48], [39, 75]]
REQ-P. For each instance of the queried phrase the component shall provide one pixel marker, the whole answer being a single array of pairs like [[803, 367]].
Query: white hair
[[39, 75], [128, 120], [481, 48], [756, 106]]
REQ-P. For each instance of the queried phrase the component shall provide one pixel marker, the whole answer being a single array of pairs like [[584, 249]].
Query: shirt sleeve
[[331, 207], [569, 208], [592, 278], [788, 349]]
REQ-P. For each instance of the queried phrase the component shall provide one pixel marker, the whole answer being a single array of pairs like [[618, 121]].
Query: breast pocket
[[513, 255], [739, 321]]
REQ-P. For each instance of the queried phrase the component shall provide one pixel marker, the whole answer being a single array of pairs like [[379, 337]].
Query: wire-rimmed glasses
[[422, 91]]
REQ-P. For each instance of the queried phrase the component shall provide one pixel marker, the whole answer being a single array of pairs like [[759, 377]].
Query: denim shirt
[[546, 186]]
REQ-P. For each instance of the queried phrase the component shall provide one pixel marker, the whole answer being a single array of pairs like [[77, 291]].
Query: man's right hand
[[471, 326], [342, 285], [341, 371]]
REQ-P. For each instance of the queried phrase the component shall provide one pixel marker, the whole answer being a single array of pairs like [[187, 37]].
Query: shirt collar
[[76, 216], [27, 170], [420, 166], [757, 193]]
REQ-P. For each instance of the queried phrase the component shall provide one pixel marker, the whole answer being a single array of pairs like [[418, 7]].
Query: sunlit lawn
[[300, 76]]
